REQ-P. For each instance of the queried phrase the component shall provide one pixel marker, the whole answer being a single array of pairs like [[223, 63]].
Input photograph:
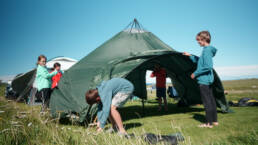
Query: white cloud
[[237, 71]]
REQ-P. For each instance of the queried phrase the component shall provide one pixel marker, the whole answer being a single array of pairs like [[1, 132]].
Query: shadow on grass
[[136, 111], [132, 125], [199, 117], [67, 121]]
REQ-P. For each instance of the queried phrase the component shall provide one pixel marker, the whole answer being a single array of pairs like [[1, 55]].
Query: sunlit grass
[[23, 124]]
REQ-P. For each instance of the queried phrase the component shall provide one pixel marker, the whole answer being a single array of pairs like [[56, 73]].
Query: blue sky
[[68, 28]]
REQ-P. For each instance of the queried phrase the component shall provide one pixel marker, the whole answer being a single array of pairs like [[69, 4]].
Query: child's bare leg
[[117, 119], [165, 103], [111, 119], [160, 102]]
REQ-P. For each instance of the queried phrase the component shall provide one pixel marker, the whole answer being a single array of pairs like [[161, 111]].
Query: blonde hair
[[204, 35], [41, 57]]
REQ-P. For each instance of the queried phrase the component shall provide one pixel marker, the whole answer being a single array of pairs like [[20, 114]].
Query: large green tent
[[129, 54]]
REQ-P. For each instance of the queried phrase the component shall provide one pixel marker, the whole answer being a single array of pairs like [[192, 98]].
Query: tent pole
[[143, 111]]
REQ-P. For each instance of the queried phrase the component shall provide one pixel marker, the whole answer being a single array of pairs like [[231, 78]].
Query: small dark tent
[[128, 55]]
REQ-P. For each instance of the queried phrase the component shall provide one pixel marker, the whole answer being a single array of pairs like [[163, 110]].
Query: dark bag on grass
[[165, 139], [244, 102]]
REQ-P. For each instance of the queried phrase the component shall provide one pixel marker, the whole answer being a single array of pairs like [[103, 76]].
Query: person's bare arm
[[186, 54]]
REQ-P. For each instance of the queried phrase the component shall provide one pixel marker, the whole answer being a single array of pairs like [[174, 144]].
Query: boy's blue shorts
[[161, 92]]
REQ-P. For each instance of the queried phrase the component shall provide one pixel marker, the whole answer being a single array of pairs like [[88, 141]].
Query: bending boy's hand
[[98, 124], [186, 54], [99, 129], [192, 76]]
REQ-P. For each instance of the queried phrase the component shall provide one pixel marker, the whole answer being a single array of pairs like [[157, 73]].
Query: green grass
[[2, 89], [241, 88], [239, 128], [248, 84]]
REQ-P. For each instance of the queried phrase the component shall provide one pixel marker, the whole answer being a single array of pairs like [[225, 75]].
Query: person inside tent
[[57, 77], [109, 96], [160, 74], [43, 80]]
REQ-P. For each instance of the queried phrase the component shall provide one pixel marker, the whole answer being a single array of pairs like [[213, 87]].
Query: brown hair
[[91, 96], [204, 35], [57, 64], [40, 57]]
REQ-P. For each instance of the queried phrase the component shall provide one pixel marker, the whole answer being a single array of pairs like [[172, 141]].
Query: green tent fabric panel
[[20, 83], [58, 104], [125, 45], [218, 92], [137, 77], [62, 101], [122, 69], [192, 94], [88, 113], [69, 96]]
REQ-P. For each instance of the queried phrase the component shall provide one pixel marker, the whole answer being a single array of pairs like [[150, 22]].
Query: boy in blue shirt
[[109, 96], [205, 77]]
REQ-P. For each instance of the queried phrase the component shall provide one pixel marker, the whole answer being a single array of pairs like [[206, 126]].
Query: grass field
[[22, 124]]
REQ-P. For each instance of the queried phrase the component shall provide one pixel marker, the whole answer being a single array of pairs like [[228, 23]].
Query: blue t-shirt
[[108, 89]]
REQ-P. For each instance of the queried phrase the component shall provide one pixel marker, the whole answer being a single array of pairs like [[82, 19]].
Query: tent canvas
[[128, 55]]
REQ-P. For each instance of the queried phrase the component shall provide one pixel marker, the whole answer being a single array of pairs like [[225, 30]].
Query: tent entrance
[[138, 78], [138, 75], [176, 72], [150, 84]]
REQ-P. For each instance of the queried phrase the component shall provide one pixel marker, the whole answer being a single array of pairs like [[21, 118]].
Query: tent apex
[[134, 27]]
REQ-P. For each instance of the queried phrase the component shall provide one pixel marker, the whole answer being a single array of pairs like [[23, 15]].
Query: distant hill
[[7, 78], [224, 78]]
